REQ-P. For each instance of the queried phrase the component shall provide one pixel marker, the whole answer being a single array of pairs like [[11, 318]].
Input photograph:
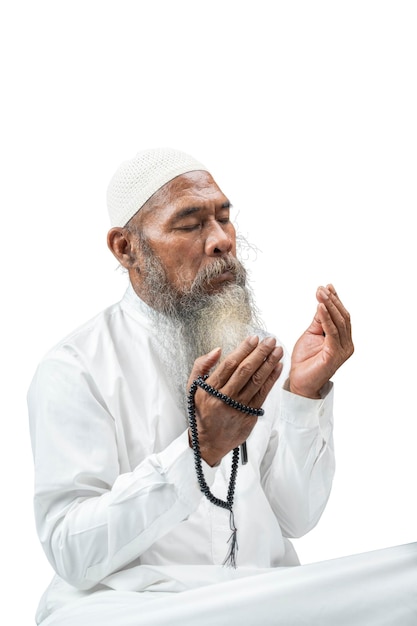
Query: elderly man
[[172, 435]]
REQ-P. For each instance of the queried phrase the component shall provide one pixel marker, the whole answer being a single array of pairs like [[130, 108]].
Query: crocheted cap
[[138, 179]]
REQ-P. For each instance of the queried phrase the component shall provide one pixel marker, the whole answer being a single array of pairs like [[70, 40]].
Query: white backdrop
[[305, 112]]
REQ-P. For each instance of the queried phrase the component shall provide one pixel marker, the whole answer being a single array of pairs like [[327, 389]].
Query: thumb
[[203, 364], [316, 326]]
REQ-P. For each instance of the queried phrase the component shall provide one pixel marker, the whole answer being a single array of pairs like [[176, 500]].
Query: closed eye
[[198, 225], [189, 227]]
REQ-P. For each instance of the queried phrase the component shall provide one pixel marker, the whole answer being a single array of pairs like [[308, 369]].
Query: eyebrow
[[195, 209]]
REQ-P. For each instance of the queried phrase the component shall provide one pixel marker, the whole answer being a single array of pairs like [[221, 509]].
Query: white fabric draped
[[377, 588]]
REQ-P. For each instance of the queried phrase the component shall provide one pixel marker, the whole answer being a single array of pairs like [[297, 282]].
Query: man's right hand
[[247, 375]]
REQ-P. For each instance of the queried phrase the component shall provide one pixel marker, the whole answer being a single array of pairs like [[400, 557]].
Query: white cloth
[[117, 502], [372, 589]]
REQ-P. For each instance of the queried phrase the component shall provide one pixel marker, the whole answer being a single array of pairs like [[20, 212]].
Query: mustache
[[217, 267]]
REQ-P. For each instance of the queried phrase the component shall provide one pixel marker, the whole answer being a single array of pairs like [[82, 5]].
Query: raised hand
[[324, 346], [247, 375]]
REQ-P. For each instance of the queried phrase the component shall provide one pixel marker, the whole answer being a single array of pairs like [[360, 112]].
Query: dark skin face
[[187, 224]]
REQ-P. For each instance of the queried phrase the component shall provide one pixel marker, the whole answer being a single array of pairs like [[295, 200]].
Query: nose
[[218, 241]]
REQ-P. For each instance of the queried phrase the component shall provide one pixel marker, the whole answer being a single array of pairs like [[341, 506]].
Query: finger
[[260, 377], [247, 367], [335, 298], [259, 398], [332, 328], [203, 364], [338, 321], [230, 364], [337, 336]]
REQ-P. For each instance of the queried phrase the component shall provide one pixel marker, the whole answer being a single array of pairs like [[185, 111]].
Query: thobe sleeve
[[298, 466], [91, 519]]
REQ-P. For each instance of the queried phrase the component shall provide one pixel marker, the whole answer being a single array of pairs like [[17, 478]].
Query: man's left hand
[[324, 346]]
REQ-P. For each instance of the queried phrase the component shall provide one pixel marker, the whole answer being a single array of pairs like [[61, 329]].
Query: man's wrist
[[300, 392]]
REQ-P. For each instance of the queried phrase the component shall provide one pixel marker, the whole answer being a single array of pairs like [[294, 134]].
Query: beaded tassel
[[230, 559]]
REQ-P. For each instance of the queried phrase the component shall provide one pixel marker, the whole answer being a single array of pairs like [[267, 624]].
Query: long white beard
[[194, 322], [224, 321]]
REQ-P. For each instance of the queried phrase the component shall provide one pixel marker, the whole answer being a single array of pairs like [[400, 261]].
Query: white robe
[[117, 502], [372, 589]]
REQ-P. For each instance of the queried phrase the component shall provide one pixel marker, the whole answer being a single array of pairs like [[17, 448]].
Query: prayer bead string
[[228, 503]]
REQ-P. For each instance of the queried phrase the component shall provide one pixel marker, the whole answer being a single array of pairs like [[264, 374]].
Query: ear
[[119, 241]]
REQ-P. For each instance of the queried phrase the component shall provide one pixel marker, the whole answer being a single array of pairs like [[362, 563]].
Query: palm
[[311, 363]]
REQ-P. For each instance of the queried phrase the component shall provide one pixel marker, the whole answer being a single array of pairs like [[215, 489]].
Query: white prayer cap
[[138, 179]]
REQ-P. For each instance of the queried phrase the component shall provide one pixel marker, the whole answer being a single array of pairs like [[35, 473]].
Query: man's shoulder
[[83, 335]]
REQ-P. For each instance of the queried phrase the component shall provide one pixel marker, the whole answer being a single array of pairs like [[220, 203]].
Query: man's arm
[[299, 466], [91, 519]]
